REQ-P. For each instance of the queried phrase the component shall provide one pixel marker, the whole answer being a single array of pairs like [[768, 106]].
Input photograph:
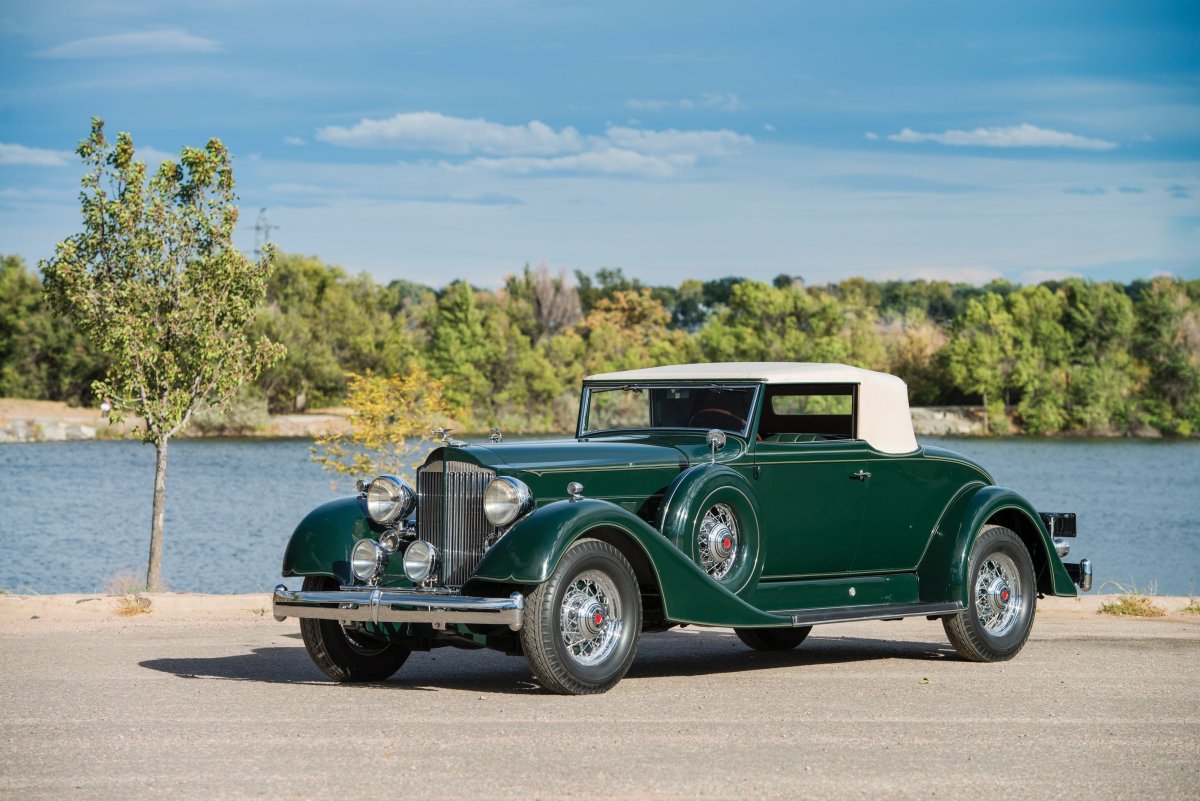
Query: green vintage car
[[765, 497]]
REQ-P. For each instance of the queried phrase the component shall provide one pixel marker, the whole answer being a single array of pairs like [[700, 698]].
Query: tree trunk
[[154, 567]]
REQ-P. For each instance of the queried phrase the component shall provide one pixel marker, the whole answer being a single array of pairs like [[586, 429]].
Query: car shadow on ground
[[676, 653]]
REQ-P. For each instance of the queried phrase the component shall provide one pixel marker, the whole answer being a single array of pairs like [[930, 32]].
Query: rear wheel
[[773, 639], [1003, 599], [582, 624], [345, 653]]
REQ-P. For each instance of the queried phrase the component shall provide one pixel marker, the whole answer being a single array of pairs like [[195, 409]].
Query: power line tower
[[262, 232]]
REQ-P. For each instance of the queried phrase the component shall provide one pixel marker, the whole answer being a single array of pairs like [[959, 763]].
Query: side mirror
[[716, 441]]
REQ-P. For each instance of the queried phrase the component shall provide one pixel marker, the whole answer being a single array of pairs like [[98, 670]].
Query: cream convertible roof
[[883, 417]]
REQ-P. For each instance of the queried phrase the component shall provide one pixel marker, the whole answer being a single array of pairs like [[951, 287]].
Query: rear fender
[[944, 570], [530, 551]]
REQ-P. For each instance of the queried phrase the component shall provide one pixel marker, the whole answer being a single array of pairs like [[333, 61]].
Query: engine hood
[[570, 454], [626, 469]]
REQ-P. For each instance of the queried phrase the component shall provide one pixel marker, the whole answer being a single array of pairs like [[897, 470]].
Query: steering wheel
[[723, 412]]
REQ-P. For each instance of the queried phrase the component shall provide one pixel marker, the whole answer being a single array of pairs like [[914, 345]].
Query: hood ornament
[[496, 436], [443, 435]]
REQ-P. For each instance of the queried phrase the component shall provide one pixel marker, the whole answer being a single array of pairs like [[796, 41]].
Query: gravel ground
[[209, 699]]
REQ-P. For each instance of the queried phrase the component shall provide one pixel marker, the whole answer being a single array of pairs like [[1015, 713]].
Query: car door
[[811, 488], [812, 507], [907, 493]]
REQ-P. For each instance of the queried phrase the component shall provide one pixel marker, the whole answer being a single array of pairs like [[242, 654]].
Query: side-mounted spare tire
[[709, 512]]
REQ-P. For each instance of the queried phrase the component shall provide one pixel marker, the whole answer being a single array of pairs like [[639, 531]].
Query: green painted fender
[[695, 491], [529, 552], [321, 544], [943, 571]]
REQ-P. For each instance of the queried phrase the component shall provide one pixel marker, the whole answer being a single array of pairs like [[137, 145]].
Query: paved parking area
[[229, 706]]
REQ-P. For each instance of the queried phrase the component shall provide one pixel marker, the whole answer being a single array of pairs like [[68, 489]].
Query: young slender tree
[[154, 280]]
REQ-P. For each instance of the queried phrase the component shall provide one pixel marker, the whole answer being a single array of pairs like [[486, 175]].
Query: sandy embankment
[[188, 606]]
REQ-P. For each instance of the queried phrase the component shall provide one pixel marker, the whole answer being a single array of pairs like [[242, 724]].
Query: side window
[[809, 412]]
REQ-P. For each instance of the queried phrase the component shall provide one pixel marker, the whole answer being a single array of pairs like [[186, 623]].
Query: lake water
[[74, 514]]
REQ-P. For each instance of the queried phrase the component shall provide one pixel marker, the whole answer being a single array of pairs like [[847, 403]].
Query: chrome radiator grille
[[450, 516]]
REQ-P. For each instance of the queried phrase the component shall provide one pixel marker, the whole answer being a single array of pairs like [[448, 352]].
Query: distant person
[[105, 408]]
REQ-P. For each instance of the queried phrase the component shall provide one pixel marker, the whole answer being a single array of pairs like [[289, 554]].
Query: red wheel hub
[[598, 618]]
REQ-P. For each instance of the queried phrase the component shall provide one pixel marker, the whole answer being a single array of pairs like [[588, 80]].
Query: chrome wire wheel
[[590, 618], [998, 596], [717, 541]]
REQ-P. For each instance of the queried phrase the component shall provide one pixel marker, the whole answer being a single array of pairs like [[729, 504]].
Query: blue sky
[[447, 139]]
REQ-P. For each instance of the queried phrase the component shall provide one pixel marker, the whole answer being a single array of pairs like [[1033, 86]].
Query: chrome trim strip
[[381, 605], [849, 614]]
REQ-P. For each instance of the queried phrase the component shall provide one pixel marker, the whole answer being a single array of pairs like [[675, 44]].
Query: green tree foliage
[[1064, 356], [41, 355], [154, 282]]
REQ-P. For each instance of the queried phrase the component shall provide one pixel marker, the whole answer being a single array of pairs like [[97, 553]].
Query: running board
[[848, 614]]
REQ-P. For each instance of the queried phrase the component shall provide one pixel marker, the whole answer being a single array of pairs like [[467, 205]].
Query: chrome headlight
[[389, 499], [506, 499], [367, 560], [420, 561]]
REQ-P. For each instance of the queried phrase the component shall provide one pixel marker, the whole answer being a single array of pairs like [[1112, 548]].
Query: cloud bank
[[535, 147], [1025, 135]]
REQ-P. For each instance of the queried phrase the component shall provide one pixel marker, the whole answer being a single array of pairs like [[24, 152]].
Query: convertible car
[[764, 497]]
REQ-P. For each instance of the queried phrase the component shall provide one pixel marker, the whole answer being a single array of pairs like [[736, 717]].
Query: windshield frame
[[606, 386]]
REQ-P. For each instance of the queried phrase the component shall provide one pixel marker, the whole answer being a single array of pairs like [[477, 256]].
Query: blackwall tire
[[1002, 599], [582, 625], [773, 639], [344, 654]]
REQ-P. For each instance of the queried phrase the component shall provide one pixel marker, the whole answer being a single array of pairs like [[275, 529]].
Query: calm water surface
[[74, 514]]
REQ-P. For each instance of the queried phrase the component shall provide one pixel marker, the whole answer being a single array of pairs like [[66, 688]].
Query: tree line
[[1067, 356]]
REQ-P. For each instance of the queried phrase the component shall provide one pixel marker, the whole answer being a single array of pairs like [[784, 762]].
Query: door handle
[[861, 475]]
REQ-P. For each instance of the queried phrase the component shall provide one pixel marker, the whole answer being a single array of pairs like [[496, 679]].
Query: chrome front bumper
[[382, 605]]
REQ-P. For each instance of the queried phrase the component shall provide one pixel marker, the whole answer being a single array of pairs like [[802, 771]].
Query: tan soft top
[[883, 417]]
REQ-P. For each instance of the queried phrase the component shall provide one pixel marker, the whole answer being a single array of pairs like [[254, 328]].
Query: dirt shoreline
[[185, 606]]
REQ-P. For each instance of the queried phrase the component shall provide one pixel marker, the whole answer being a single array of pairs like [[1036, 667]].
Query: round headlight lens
[[506, 499], [389, 499], [420, 561], [367, 560]]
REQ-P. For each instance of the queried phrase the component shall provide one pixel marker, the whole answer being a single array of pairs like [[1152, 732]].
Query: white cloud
[[1041, 276], [697, 143], [537, 148], [1025, 135], [294, 141], [429, 130], [721, 101], [768, 126], [871, 135], [137, 43], [19, 155], [610, 161], [152, 155]]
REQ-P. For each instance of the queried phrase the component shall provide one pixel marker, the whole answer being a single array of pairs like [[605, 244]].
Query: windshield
[[655, 406]]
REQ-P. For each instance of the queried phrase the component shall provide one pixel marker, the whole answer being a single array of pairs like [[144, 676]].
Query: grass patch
[[132, 605], [1132, 602], [125, 583]]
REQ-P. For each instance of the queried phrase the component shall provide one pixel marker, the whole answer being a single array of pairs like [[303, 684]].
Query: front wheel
[[1003, 598], [344, 653], [582, 624]]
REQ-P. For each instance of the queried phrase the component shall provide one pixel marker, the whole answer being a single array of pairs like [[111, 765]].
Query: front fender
[[944, 571], [321, 544], [529, 552]]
